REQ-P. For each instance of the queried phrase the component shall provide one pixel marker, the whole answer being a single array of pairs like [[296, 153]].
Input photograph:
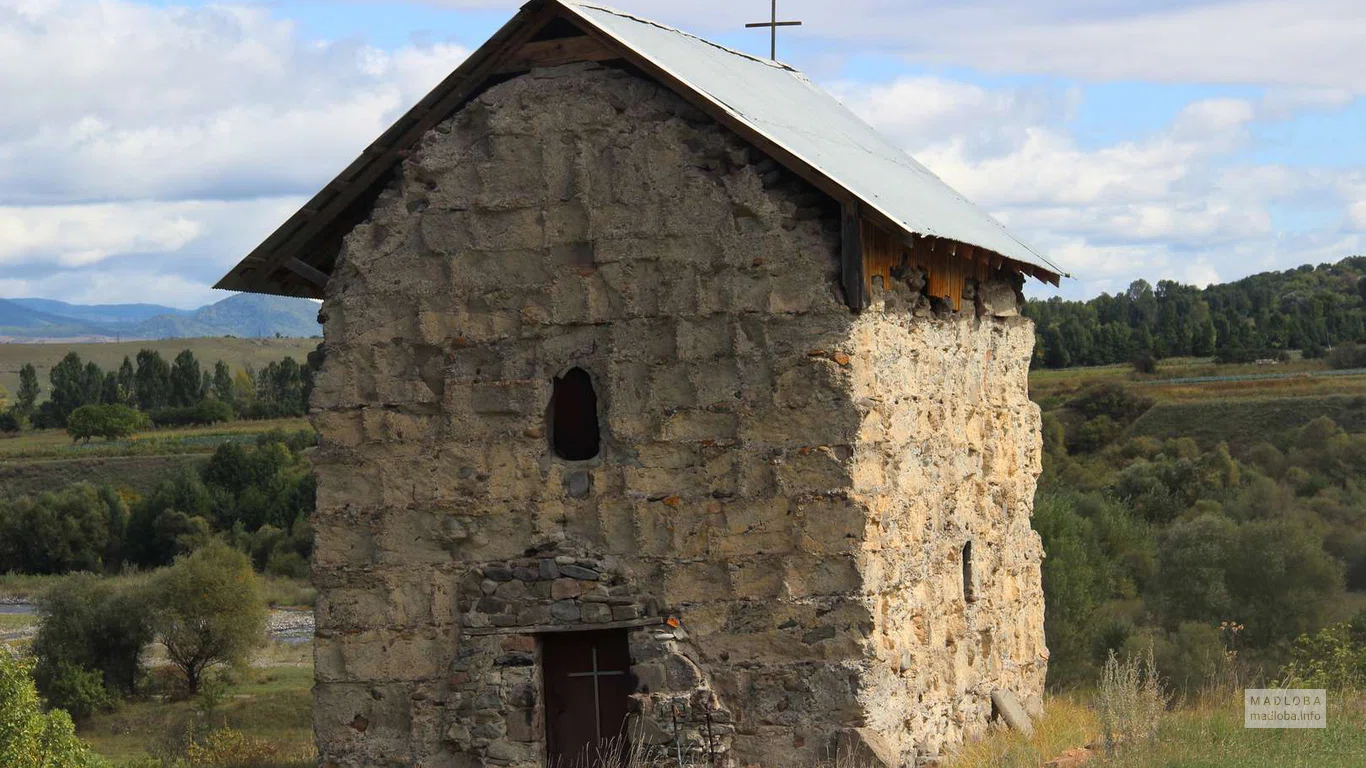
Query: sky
[[147, 146]]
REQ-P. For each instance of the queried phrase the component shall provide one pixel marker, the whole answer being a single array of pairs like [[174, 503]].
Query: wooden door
[[587, 685]]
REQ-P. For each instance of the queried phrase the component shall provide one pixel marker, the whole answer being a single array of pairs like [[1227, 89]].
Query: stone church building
[[664, 404]]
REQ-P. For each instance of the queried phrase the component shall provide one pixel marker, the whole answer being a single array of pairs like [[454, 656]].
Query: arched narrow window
[[969, 588], [574, 417]]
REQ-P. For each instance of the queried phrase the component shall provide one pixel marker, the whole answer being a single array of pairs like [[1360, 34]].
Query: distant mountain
[[19, 320], [101, 313], [241, 315], [246, 315]]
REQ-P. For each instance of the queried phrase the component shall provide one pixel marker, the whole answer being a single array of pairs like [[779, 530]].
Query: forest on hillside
[[1235, 558], [1310, 308]]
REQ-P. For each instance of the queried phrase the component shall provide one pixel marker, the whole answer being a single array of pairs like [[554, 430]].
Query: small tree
[[28, 389], [208, 610], [112, 422], [28, 737]]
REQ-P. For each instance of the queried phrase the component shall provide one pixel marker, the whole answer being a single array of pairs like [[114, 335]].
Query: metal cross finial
[[773, 27]]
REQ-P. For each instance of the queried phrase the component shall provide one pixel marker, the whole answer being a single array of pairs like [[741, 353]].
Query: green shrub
[[1191, 657], [112, 422], [1334, 657], [1130, 701], [89, 624], [204, 413], [290, 565], [28, 737], [1117, 402], [11, 420], [77, 690]]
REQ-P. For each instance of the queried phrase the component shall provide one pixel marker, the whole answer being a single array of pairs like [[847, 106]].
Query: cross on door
[[587, 689], [596, 675]]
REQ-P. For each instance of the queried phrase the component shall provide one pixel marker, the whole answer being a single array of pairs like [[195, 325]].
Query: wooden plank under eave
[[553, 53], [853, 272]]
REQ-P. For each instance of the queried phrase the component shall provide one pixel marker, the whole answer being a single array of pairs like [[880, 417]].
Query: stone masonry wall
[[948, 452], [764, 478]]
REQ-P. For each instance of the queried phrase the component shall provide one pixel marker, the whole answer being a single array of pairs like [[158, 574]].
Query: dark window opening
[[969, 590], [574, 417]]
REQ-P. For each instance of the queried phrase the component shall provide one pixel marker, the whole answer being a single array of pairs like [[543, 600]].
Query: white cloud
[[100, 286], [1171, 205], [74, 236], [1305, 43], [130, 101], [80, 235], [158, 144]]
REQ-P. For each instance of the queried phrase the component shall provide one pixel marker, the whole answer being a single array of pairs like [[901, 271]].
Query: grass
[[1211, 734], [1248, 421], [237, 353], [138, 474], [270, 703], [56, 444], [11, 622], [1241, 412], [1297, 378], [1207, 733], [280, 592], [47, 460], [288, 593], [1067, 723]]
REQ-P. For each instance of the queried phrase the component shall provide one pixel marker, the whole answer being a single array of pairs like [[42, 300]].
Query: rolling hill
[[240, 315]]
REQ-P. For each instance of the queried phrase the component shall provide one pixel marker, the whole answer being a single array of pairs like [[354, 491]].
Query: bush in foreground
[[28, 737]]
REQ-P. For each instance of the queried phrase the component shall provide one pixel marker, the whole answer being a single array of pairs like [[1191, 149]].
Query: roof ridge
[[642, 20]]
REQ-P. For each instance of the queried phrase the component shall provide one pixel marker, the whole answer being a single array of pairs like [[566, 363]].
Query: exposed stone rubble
[[794, 483]]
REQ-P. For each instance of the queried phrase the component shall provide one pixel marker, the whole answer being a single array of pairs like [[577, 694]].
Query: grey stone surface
[[1011, 713]]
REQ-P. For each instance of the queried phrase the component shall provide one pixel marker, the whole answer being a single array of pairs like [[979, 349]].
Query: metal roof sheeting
[[788, 109]]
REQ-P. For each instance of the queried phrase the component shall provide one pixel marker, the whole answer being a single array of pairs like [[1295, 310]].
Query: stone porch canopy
[[896, 213]]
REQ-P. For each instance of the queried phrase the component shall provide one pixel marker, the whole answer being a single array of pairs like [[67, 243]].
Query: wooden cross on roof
[[773, 25]]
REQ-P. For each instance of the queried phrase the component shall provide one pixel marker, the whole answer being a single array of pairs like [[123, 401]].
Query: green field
[[48, 460], [237, 353], [1240, 404]]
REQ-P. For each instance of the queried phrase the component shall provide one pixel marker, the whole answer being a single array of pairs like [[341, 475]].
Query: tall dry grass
[[1130, 702]]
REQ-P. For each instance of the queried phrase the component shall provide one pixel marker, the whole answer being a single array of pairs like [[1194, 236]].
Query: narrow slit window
[[574, 431], [969, 588]]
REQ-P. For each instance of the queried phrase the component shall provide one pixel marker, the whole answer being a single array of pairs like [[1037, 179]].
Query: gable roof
[[769, 104]]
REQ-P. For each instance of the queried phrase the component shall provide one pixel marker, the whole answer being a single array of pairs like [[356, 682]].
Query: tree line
[[174, 393], [256, 498], [1311, 309]]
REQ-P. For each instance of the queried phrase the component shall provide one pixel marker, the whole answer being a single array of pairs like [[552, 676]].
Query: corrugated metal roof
[[783, 105]]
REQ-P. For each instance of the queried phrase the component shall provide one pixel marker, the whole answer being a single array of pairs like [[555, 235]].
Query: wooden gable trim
[[947, 264], [854, 258]]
